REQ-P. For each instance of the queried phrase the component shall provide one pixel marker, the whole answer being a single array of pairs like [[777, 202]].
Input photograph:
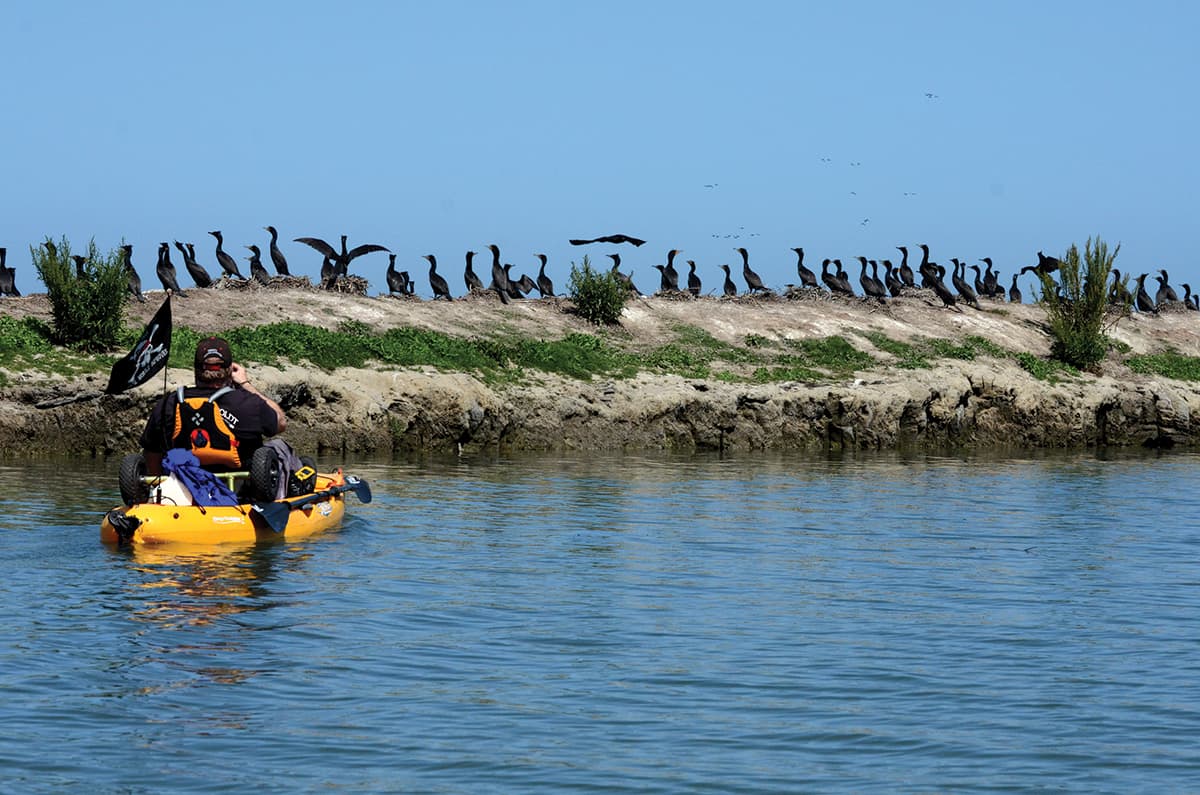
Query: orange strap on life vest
[[200, 428]]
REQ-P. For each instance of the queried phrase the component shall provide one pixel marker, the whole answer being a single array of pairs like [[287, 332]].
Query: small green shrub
[[1044, 369], [599, 296], [1076, 306], [87, 313]]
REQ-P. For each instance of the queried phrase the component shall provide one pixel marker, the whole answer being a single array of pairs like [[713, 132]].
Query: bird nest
[[275, 283], [350, 285]]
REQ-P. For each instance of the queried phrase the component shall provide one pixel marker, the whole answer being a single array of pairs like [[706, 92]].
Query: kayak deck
[[191, 524]]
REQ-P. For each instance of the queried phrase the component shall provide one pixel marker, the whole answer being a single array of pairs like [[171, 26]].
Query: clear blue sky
[[433, 128]]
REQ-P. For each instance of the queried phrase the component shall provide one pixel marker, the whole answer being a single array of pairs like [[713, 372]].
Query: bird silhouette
[[693, 281], [1143, 300], [132, 280], [1014, 292], [625, 278], [499, 275], [165, 270], [341, 259], [436, 283], [227, 263], [753, 282], [195, 269], [277, 258], [614, 239], [807, 277], [728, 288], [8, 277], [470, 278], [397, 281], [545, 287], [80, 271], [257, 271]]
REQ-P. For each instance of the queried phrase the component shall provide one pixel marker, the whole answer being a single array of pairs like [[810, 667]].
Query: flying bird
[[615, 239]]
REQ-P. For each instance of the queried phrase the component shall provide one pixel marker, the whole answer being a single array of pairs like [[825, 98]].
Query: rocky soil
[[988, 402]]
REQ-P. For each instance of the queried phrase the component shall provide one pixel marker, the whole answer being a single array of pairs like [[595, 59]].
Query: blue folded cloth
[[206, 488]]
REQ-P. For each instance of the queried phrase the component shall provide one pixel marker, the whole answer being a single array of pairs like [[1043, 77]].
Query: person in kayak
[[223, 419]]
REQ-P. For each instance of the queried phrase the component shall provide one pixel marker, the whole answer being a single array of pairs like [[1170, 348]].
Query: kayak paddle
[[275, 514]]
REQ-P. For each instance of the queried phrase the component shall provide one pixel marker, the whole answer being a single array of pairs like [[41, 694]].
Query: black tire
[[133, 489], [265, 471]]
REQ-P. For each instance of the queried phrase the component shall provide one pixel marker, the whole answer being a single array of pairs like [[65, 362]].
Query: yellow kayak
[[295, 517]]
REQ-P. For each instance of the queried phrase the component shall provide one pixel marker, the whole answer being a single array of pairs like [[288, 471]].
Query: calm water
[[623, 624]]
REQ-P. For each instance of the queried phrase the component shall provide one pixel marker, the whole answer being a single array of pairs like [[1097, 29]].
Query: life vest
[[200, 428]]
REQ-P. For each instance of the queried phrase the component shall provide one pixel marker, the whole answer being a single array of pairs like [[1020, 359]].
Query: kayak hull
[[240, 524]]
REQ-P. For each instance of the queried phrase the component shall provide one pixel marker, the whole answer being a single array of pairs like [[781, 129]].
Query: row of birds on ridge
[[895, 280]]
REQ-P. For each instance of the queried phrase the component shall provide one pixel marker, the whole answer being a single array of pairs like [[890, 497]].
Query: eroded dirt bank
[[987, 402]]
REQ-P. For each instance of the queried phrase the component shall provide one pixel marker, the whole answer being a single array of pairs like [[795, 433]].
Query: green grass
[[1050, 370], [25, 346], [1169, 364], [814, 360], [922, 353]]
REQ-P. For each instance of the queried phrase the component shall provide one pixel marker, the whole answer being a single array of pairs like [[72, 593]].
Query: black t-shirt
[[249, 417]]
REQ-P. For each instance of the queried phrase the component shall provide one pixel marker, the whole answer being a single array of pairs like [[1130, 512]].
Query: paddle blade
[[274, 515], [360, 488]]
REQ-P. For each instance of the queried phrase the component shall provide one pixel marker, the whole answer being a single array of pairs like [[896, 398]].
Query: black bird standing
[[693, 280], [906, 273], [515, 288], [8, 277], [938, 285], [830, 279], [329, 273], [257, 271], [277, 258], [470, 278], [991, 280], [227, 263], [1187, 297], [1166, 293], [1014, 292], [929, 270], [842, 279], [545, 287], [80, 272], [753, 283], [664, 282], [499, 275], [960, 283], [894, 285], [1118, 294], [1046, 265], [395, 282], [132, 280], [980, 289], [729, 287], [807, 277], [869, 287], [625, 278], [165, 270], [1144, 302], [194, 269], [436, 283], [341, 260], [669, 273]]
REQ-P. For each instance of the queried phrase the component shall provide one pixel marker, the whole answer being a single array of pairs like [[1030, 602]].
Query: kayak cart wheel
[[265, 471], [130, 477]]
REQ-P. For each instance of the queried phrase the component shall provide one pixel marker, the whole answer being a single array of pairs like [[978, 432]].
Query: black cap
[[210, 347]]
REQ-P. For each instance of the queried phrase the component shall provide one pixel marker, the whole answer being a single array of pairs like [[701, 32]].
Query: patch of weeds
[[1120, 347], [756, 341], [1169, 364], [1048, 370], [908, 356], [833, 354]]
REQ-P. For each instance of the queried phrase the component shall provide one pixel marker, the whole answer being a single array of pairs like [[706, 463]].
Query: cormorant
[[277, 258], [8, 277], [1046, 265], [753, 283], [165, 270], [669, 272], [626, 279], [436, 282], [51, 249], [395, 282], [1187, 297], [830, 279], [525, 285], [80, 273], [341, 260], [960, 283], [470, 278], [729, 287], [1166, 293], [938, 285], [545, 287], [1014, 292], [894, 285], [906, 273], [1144, 302], [1118, 294], [329, 273], [514, 288], [194, 269], [870, 288], [991, 280], [257, 271], [614, 239], [842, 279], [979, 288], [227, 263], [929, 270], [132, 280], [499, 275], [807, 277], [664, 283], [693, 280]]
